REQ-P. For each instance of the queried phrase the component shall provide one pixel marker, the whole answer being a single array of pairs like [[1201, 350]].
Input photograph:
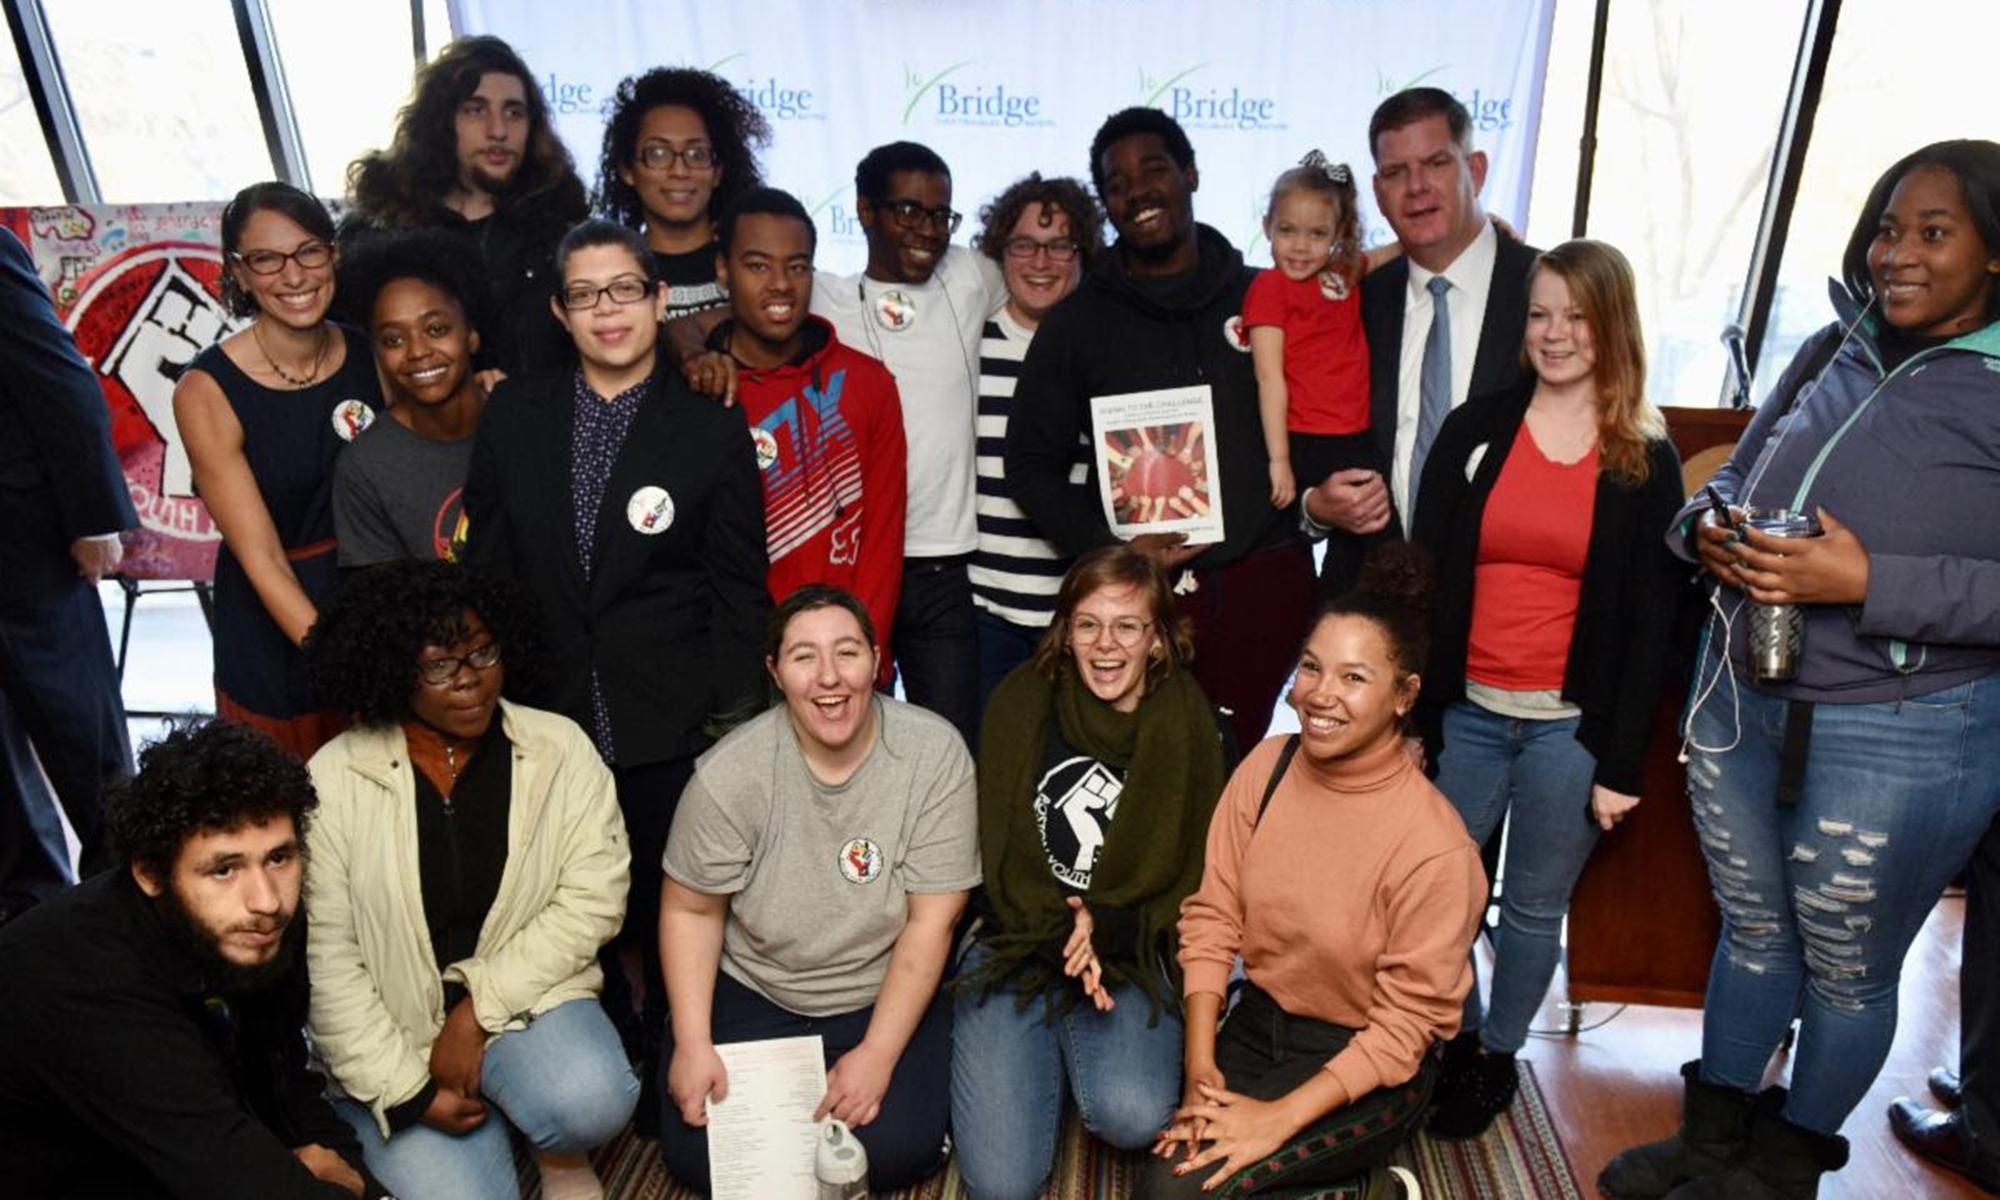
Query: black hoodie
[[1117, 334]]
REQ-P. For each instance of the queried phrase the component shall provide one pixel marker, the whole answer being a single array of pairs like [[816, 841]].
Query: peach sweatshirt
[[1355, 904]]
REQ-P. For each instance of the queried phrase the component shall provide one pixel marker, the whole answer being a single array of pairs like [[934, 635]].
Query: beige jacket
[[377, 994]]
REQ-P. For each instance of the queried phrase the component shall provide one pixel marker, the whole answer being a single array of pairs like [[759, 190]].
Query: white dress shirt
[[1471, 278]]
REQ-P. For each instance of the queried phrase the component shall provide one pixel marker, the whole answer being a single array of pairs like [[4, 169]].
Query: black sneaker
[[1469, 1098]]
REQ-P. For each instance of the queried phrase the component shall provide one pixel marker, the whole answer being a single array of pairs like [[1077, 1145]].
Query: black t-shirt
[[690, 280], [1076, 798], [462, 849]]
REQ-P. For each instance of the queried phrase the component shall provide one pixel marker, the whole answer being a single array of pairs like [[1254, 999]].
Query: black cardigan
[[1632, 585], [673, 621]]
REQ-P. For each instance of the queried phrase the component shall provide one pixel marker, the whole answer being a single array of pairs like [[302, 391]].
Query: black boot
[[1470, 1096], [1782, 1161], [1715, 1126]]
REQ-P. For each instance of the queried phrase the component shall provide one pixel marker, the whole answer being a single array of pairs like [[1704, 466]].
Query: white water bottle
[[840, 1163]]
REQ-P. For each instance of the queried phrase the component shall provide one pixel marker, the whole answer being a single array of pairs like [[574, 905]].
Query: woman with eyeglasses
[[263, 414], [468, 863], [1099, 767], [679, 145], [631, 509]]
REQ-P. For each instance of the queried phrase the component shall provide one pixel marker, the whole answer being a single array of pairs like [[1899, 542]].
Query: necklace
[[319, 356], [451, 759]]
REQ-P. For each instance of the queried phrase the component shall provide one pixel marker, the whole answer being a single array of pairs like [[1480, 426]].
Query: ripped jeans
[[1820, 901]]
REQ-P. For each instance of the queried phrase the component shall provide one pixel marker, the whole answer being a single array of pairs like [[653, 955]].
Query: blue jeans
[[1003, 646], [936, 640], [1007, 1070], [1821, 900], [563, 1082], [1536, 774]]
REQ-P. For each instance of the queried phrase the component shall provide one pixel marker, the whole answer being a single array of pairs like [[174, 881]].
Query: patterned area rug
[[1520, 1158]]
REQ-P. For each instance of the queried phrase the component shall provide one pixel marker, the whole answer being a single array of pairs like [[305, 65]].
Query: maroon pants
[[1250, 618]]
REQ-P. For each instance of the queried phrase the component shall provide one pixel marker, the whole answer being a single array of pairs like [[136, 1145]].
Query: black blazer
[[1632, 585], [672, 622], [1496, 367], [59, 479]]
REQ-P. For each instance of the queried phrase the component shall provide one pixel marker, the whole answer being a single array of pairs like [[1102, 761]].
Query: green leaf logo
[[1150, 90], [919, 86], [1390, 87], [715, 68], [815, 209]]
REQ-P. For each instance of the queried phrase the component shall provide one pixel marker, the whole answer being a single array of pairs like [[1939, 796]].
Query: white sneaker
[[1412, 1190]]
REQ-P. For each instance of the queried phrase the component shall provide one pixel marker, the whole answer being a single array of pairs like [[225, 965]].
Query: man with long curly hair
[[680, 144], [474, 153], [150, 1017]]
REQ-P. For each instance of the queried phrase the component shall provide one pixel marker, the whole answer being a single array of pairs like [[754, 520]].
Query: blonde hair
[[1334, 183], [1602, 287]]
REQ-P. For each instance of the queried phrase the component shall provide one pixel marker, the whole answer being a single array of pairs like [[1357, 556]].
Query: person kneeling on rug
[[468, 862], [819, 860], [1348, 884], [1099, 766]]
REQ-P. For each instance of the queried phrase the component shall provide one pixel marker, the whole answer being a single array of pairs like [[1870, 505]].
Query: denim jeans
[[936, 640], [1008, 1065], [563, 1082], [1537, 775], [1821, 900], [1003, 646]]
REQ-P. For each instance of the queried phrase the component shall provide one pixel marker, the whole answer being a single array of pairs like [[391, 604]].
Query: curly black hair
[[430, 256], [1067, 196], [736, 131], [362, 652], [1126, 122], [204, 778], [403, 187], [871, 174]]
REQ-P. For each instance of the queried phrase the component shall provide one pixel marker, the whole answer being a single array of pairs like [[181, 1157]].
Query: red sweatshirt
[[1354, 904], [829, 435]]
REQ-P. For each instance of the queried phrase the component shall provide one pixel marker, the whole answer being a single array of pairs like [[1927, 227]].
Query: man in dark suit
[[1427, 182], [65, 500]]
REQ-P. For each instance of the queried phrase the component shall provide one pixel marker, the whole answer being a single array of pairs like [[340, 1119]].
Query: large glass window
[[163, 97], [344, 111], [27, 174], [1693, 95], [1891, 86]]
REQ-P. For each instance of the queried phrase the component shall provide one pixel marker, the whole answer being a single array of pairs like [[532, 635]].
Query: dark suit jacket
[[672, 622], [1496, 368], [59, 478]]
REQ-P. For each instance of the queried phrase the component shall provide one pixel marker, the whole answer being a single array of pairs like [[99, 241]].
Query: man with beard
[[1161, 310], [474, 153], [150, 1018]]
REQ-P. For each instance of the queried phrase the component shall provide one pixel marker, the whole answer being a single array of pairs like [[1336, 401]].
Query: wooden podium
[[1643, 923]]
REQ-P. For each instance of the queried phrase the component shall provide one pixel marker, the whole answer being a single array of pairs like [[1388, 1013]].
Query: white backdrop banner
[[1001, 89]]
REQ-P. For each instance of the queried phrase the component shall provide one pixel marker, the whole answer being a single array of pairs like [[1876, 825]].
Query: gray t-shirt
[[397, 495], [819, 875]]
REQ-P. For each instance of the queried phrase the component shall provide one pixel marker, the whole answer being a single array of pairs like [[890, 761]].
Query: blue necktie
[[1434, 385]]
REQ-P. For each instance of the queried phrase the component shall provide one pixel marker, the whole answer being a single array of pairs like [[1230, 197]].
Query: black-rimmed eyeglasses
[[626, 289], [439, 671], [658, 156], [909, 214]]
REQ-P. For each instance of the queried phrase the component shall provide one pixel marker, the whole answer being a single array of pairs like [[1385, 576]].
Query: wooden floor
[[1615, 1086]]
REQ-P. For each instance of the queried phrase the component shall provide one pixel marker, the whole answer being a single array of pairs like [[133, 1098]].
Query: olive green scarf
[[1171, 752]]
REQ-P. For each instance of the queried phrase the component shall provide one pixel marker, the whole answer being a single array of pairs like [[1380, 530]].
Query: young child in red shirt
[[1304, 322]]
